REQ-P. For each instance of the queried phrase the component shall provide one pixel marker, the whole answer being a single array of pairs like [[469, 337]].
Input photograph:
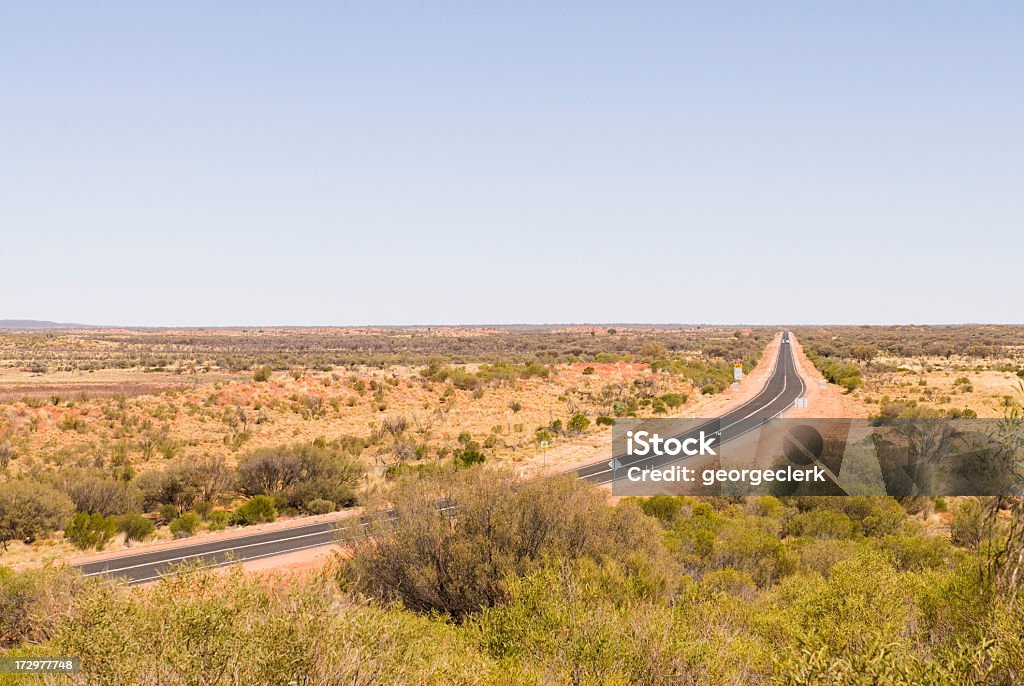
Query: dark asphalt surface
[[779, 393], [149, 566], [781, 390]]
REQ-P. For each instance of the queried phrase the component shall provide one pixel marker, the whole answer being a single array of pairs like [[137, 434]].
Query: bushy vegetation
[[509, 352], [186, 525], [92, 507], [497, 373], [458, 559], [864, 343], [135, 527], [90, 530], [476, 577], [29, 509], [847, 375], [296, 475], [258, 509]]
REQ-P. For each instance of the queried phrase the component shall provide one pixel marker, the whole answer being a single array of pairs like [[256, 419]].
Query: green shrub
[[92, 491], [604, 421], [819, 556], [184, 483], [262, 373], [664, 508], [917, 553], [296, 634], [823, 523], [168, 512], [135, 527], [846, 375], [186, 525], [90, 530], [218, 520], [730, 581], [319, 506], [578, 423], [203, 509], [469, 457], [675, 400], [293, 475], [259, 509], [749, 546], [505, 527], [885, 520], [767, 506]]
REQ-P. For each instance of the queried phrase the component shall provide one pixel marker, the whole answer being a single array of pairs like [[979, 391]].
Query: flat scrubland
[[922, 370], [175, 423], [533, 581]]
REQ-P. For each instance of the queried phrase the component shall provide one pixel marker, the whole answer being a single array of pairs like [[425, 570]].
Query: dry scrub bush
[[584, 596], [297, 475], [209, 629], [33, 603], [185, 483], [29, 510], [459, 560]]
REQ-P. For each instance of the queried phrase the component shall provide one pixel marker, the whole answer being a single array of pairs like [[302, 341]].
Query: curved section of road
[[781, 390], [779, 393]]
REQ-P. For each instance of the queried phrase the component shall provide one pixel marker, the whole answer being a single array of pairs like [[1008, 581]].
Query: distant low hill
[[38, 324]]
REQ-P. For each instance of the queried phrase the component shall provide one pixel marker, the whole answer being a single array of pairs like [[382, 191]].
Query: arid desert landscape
[[134, 442]]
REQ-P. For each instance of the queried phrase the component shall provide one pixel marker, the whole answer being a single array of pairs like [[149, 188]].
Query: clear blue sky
[[201, 163]]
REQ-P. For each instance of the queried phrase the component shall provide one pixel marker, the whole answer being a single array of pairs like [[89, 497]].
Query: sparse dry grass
[[946, 368], [184, 397]]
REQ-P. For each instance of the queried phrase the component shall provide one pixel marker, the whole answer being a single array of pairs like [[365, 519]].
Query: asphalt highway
[[782, 389], [146, 566]]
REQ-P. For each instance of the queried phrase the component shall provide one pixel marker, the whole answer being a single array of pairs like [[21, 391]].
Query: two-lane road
[[780, 392], [782, 389], [151, 565]]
